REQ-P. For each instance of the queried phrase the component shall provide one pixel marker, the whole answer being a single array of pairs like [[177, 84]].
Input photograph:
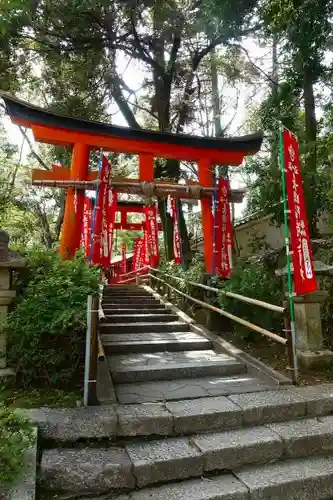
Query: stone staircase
[[153, 355], [188, 422]]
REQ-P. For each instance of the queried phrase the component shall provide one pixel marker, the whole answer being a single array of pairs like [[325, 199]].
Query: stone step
[[170, 326], [142, 317], [173, 390], [112, 306], [129, 300], [124, 291], [154, 342], [120, 296], [172, 365], [133, 311], [184, 417], [140, 464], [129, 295], [302, 479]]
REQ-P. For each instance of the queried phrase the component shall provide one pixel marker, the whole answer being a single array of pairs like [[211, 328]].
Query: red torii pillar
[[71, 228]]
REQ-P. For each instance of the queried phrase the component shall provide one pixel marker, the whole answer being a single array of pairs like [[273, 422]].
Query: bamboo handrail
[[134, 272], [230, 316], [242, 298]]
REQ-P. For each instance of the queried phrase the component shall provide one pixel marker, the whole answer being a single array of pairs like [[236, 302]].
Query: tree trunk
[[167, 229], [185, 240], [275, 85], [216, 104], [311, 138]]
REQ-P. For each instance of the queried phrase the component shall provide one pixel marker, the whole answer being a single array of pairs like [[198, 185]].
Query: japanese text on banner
[[138, 256], [86, 225], [98, 243], [176, 233], [304, 277], [152, 234], [223, 239]]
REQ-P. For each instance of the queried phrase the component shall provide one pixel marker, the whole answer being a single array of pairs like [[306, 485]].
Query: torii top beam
[[58, 129]]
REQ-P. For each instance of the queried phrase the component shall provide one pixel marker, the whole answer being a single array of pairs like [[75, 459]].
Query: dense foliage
[[256, 280], [16, 435], [46, 329]]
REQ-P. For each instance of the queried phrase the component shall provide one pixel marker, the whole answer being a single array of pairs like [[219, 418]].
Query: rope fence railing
[[280, 338]]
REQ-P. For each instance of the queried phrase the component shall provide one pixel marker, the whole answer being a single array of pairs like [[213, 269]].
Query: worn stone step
[[142, 317], [128, 306], [133, 311], [170, 326], [135, 291], [173, 459], [185, 416], [301, 479], [136, 296], [121, 301], [128, 298], [172, 366], [154, 342], [224, 487], [86, 470], [173, 390]]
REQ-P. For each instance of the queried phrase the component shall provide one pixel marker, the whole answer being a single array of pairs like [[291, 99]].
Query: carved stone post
[[308, 325], [7, 295]]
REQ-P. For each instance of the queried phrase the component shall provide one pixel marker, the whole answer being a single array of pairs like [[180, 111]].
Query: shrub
[[194, 273], [258, 281], [47, 327], [16, 434]]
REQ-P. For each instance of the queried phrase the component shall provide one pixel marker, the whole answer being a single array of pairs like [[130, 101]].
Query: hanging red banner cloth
[[138, 256], [86, 225], [304, 276], [110, 210], [145, 247], [176, 232], [152, 234], [123, 258], [223, 245], [99, 244]]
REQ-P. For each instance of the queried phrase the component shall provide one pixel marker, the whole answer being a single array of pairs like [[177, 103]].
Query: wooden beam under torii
[[83, 136], [132, 186]]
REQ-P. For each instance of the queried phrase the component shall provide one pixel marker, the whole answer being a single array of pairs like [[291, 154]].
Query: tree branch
[[143, 53], [33, 152], [123, 105]]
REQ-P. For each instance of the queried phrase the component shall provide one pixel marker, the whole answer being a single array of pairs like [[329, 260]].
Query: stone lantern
[[308, 325], [8, 263]]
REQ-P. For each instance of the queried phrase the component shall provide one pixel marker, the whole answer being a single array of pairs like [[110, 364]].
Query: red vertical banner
[[152, 234], [223, 242], [110, 211], [98, 243], [146, 251], [304, 276], [123, 258], [86, 225], [176, 232], [138, 256]]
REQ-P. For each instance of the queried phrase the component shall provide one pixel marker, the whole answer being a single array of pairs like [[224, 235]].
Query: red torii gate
[[83, 136]]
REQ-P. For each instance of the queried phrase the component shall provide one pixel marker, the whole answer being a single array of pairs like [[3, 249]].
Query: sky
[[133, 76]]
